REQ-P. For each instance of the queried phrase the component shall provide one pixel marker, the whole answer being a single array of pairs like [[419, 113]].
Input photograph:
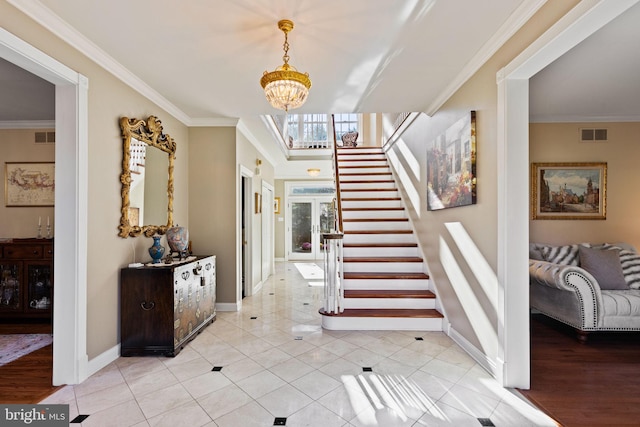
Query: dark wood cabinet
[[26, 279], [163, 307]]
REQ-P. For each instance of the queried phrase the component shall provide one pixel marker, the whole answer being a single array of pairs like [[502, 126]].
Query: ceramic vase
[[156, 250], [178, 239]]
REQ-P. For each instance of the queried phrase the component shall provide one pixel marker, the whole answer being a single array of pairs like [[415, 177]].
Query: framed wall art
[[29, 184], [451, 166], [568, 190], [276, 205]]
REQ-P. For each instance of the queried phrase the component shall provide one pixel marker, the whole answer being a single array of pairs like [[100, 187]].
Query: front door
[[309, 218]]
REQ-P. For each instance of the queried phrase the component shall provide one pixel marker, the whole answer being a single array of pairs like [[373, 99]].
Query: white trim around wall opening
[[513, 172]]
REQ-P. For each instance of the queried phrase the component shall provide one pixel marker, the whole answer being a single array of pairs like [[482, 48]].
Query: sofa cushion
[[605, 266], [565, 255], [630, 261]]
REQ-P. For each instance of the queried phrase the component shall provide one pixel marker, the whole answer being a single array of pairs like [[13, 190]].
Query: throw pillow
[[630, 268], [564, 255], [604, 266]]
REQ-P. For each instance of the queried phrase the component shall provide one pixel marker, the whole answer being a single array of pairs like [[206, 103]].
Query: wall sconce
[[313, 171], [258, 163]]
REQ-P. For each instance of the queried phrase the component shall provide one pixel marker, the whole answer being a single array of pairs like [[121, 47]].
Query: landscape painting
[[568, 190], [451, 166]]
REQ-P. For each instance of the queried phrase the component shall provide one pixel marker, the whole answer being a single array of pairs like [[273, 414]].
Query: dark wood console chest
[[162, 308], [26, 279]]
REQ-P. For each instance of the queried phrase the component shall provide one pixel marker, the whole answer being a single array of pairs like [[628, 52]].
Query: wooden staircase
[[386, 286]]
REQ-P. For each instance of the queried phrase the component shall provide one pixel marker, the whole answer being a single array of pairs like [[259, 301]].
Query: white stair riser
[[338, 323], [359, 152], [376, 225], [379, 238], [346, 171], [386, 284], [390, 303], [371, 203], [345, 178], [367, 185], [346, 163], [362, 158], [368, 194], [346, 214], [383, 267], [380, 252]]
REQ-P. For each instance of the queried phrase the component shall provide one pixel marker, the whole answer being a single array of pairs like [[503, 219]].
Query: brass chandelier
[[286, 88]]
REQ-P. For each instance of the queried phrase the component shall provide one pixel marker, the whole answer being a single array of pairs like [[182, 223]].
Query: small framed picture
[[29, 184], [276, 205], [568, 190], [258, 202]]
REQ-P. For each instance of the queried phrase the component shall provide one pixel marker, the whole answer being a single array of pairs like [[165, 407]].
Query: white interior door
[[309, 217]]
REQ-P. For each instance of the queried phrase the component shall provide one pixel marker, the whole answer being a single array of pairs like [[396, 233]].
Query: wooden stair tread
[[387, 312], [369, 181], [383, 259], [363, 174], [378, 232], [369, 199], [372, 157], [385, 276], [376, 220], [393, 208], [380, 245], [388, 293], [363, 166], [355, 190]]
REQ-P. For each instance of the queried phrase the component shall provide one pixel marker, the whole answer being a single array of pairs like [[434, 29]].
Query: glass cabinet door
[[39, 289], [10, 297]]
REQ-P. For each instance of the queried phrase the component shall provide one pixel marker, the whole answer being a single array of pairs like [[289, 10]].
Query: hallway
[[272, 360]]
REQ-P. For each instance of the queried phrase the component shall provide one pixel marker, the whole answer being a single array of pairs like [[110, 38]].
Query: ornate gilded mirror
[[147, 171]]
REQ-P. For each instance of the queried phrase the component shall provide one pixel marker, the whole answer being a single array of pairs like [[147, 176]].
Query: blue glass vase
[[156, 250]]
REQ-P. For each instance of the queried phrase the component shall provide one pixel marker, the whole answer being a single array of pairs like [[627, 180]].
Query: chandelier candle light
[[286, 88]]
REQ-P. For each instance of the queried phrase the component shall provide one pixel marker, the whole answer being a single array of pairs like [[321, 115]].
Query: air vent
[[45, 137], [593, 135]]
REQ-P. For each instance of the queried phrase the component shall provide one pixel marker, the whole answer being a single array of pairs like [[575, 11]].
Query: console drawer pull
[[147, 306]]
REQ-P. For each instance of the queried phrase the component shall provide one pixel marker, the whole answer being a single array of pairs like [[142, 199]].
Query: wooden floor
[[593, 384], [28, 379]]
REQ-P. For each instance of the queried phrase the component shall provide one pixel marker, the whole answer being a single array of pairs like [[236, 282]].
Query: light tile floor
[[284, 365]]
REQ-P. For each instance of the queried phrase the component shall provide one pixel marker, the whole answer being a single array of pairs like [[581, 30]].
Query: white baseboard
[[279, 259], [94, 365], [257, 288], [228, 306], [477, 355]]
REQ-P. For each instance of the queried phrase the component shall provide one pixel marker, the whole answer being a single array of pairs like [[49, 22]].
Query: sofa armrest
[[582, 287]]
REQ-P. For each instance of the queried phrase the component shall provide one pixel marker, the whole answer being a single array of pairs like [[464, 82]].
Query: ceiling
[[205, 58]]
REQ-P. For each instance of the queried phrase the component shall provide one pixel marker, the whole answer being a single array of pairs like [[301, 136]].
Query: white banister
[[333, 273]]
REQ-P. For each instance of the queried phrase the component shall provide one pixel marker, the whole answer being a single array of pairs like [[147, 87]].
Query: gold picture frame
[[276, 205], [258, 203], [569, 190], [29, 184]]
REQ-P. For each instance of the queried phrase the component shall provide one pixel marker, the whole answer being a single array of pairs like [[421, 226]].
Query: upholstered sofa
[[589, 287]]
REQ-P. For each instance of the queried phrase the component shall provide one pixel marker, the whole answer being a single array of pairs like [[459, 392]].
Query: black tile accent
[[78, 419], [419, 339], [271, 293], [367, 369], [216, 369], [486, 422], [254, 317], [280, 421], [305, 303], [298, 338]]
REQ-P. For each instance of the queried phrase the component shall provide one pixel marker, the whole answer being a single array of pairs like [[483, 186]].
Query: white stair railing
[[333, 289]]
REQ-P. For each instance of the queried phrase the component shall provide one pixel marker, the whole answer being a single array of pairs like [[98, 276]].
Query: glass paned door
[[310, 217]]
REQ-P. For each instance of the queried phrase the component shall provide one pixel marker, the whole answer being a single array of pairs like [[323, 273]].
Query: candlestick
[[39, 231], [39, 221], [48, 221], [48, 231]]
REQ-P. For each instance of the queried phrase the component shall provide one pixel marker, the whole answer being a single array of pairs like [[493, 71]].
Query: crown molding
[[28, 124], [213, 122], [244, 130], [518, 18], [542, 118]]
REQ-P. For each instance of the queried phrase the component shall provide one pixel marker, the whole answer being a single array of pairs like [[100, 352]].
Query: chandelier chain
[[285, 46]]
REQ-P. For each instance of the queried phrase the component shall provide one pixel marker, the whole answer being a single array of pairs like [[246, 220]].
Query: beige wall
[[560, 142], [212, 202], [460, 242], [18, 145], [109, 99]]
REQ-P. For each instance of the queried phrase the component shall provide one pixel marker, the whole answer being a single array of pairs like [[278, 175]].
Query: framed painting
[[451, 166], [257, 202], [29, 184], [276, 205], [568, 190]]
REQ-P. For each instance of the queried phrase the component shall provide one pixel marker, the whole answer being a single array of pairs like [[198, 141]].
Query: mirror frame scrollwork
[[150, 132]]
